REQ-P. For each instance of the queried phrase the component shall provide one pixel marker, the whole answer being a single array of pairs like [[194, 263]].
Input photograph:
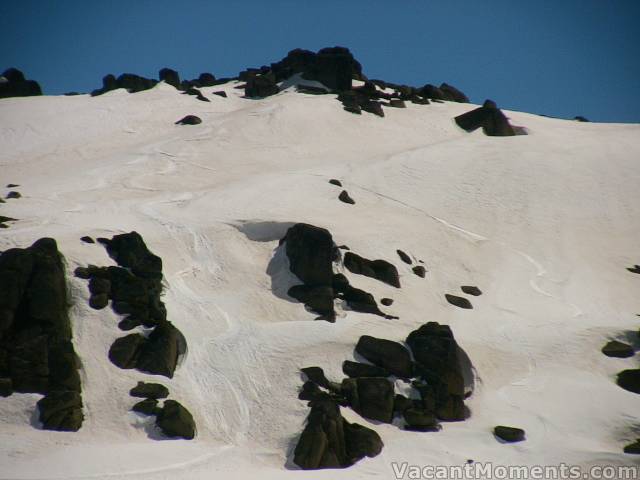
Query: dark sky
[[556, 57]]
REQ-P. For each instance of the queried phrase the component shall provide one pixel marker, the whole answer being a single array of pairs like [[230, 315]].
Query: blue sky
[[555, 57]]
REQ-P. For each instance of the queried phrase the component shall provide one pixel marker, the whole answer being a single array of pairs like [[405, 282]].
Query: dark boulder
[[451, 93], [176, 421], [357, 369], [263, 85], [335, 68], [159, 354], [130, 251], [333, 181], [148, 406], [404, 257], [189, 120], [580, 118], [371, 397], [361, 301], [319, 299], [87, 239], [124, 351], [14, 195], [196, 93], [378, 269], [432, 92], [634, 269], [489, 117], [633, 448], [630, 380], [509, 434], [344, 197], [14, 84], [459, 302], [316, 375], [420, 420], [329, 441], [618, 349], [149, 390], [387, 354], [471, 290], [221, 93], [386, 301], [134, 83], [170, 77], [311, 253], [61, 410], [397, 103], [420, 271], [207, 80]]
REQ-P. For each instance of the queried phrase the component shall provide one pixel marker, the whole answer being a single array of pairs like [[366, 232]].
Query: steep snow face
[[544, 224]]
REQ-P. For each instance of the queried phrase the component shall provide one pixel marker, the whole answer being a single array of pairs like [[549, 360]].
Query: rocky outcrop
[[488, 117], [378, 269], [36, 351], [420, 271], [329, 441], [129, 81], [356, 369], [261, 85], [14, 84]]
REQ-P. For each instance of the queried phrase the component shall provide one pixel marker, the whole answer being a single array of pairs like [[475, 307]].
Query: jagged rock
[[357, 369], [618, 349], [311, 90], [420, 420], [149, 390], [489, 117], [386, 301], [170, 77], [311, 391], [404, 257], [470, 290], [98, 285], [329, 441], [420, 271], [176, 421], [262, 85], [460, 302], [125, 350], [344, 197], [189, 120], [13, 194], [333, 181], [12, 185], [402, 403], [509, 434], [87, 239], [633, 448], [14, 84], [148, 406], [387, 354], [630, 380], [371, 397], [61, 411], [361, 301], [311, 253], [378, 269]]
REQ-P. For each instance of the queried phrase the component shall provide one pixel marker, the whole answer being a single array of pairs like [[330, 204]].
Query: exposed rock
[[357, 369], [460, 302], [580, 118], [189, 120], [12, 185], [420, 271], [386, 301], [14, 84], [262, 85], [387, 354], [176, 421], [13, 194], [633, 448], [158, 355], [99, 301], [4, 219], [404, 257], [630, 380], [509, 434], [207, 80], [221, 93], [489, 117], [87, 239], [170, 77], [470, 290], [329, 441], [130, 251], [371, 397], [397, 103], [420, 420], [453, 94], [402, 403], [319, 299], [61, 410], [344, 197], [124, 351], [333, 181], [149, 390], [378, 269], [129, 81], [311, 253], [196, 93], [148, 406], [634, 269], [618, 349]]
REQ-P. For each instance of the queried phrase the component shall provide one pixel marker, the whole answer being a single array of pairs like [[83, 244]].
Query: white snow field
[[544, 224]]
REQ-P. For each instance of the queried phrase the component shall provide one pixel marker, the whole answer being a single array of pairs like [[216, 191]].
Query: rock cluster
[[442, 379], [14, 84], [36, 351], [311, 253]]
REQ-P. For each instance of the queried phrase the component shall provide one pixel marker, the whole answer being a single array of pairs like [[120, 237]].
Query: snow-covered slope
[[544, 224]]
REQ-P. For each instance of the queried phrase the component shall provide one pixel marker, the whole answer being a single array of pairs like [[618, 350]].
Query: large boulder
[[329, 441], [371, 397], [261, 85], [14, 84], [311, 254], [160, 351], [378, 269], [176, 421], [629, 380], [169, 76], [387, 354], [61, 410], [488, 117], [149, 390], [509, 434]]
